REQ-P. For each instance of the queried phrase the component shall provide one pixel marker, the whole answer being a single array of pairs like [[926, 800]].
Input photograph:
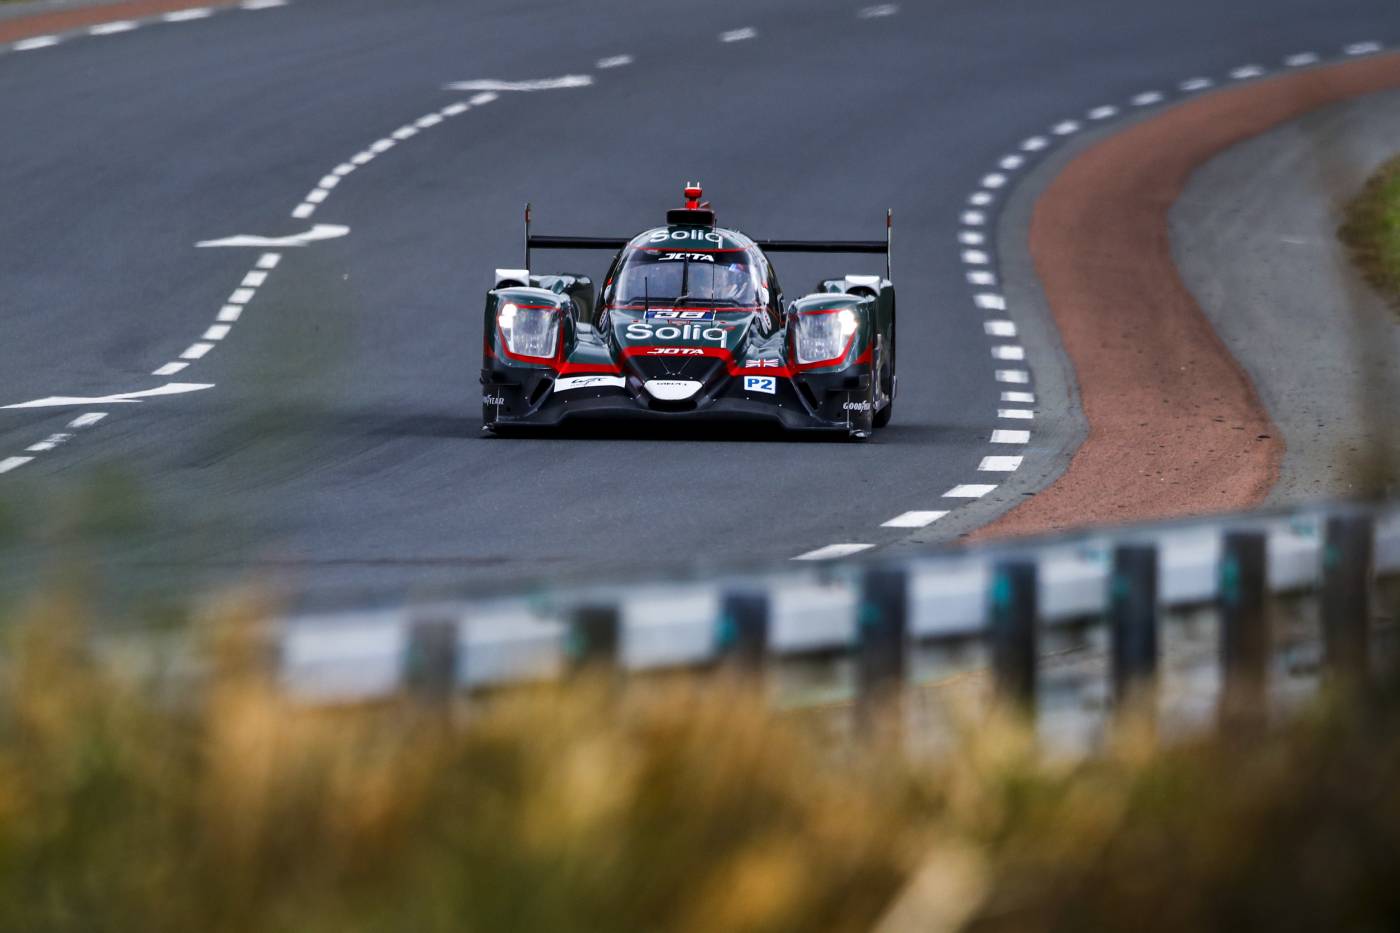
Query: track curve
[[338, 452]]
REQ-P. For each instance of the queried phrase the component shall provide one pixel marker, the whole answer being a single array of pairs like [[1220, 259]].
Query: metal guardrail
[[1002, 598]]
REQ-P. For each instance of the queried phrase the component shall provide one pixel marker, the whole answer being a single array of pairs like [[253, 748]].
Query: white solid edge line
[[170, 369], [833, 551], [87, 420], [999, 464], [913, 520], [969, 491], [1011, 437], [12, 463]]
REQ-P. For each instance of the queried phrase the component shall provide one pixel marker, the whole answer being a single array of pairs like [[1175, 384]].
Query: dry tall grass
[[678, 806]]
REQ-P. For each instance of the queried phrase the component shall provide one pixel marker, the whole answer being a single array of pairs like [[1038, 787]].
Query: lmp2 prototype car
[[690, 324]]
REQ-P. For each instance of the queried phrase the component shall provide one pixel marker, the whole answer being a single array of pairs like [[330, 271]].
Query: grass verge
[[1371, 229], [684, 806]]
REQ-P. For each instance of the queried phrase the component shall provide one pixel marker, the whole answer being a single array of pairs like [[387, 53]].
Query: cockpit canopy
[[664, 275]]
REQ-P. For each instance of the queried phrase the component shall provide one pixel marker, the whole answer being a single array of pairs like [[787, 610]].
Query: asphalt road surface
[[337, 450]]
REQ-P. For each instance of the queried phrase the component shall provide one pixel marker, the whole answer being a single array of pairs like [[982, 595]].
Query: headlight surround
[[824, 336], [529, 330]]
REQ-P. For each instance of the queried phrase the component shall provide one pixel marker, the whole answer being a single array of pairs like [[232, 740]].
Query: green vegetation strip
[[1372, 230]]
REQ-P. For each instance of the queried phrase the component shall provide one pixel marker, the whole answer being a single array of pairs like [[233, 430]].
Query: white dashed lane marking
[[616, 61], [1022, 398], [1011, 437], [999, 328], [1023, 414], [87, 420], [112, 28], [1013, 375], [738, 35], [37, 42], [875, 12], [999, 464], [834, 551], [969, 491], [12, 463], [913, 520], [184, 16], [196, 351]]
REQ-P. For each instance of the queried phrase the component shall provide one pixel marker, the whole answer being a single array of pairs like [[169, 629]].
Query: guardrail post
[[1013, 621], [594, 638], [1347, 566], [882, 625], [743, 630], [1133, 611], [1244, 627], [431, 658]]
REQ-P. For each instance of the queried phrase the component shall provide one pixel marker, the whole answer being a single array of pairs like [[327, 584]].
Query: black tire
[[887, 384]]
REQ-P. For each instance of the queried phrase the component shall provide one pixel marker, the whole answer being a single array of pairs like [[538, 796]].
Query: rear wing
[[535, 241]]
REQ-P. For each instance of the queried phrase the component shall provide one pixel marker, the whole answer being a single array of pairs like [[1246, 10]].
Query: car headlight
[[824, 335], [530, 330]]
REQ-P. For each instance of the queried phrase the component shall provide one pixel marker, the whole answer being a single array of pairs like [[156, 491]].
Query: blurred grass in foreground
[[1372, 229], [679, 805]]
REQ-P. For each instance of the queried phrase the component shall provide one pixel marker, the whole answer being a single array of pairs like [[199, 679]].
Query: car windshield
[[706, 277]]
